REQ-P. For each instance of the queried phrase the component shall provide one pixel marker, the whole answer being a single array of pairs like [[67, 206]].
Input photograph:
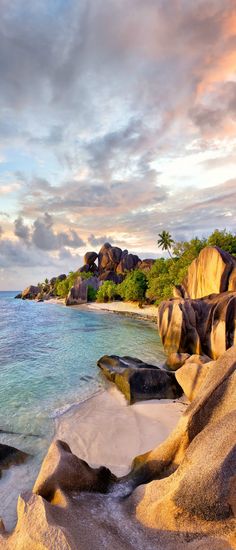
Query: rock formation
[[112, 265], [138, 380], [202, 316], [30, 292], [179, 495], [78, 294], [204, 326], [212, 272]]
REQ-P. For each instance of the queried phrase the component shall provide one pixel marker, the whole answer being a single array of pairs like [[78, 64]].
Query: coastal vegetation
[[120, 275]]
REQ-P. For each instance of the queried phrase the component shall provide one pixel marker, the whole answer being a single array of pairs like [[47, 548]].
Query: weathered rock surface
[[138, 380], [179, 495], [128, 262], [109, 257], [90, 258], [213, 271], [191, 377], [197, 462], [204, 326], [63, 471], [10, 456], [78, 294], [30, 292]]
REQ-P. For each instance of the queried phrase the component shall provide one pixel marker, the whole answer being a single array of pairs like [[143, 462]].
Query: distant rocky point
[[111, 263]]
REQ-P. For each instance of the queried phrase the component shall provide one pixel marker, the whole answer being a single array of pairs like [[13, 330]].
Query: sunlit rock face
[[198, 461], [213, 271], [201, 319]]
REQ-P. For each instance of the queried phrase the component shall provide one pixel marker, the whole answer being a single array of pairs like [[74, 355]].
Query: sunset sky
[[118, 120]]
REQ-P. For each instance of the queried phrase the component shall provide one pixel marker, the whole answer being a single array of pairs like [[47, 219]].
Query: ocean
[[48, 356]]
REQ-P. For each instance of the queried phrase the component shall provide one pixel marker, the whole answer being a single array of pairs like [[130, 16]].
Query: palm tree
[[165, 241]]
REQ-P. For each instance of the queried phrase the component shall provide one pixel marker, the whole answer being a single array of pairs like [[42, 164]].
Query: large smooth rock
[[210, 273], [90, 258], [78, 294], [198, 463], [30, 292], [128, 262], [10, 456], [138, 380], [63, 470], [205, 326], [109, 257]]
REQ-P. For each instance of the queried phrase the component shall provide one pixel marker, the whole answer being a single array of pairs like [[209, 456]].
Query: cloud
[[99, 241], [22, 231], [110, 129], [45, 238]]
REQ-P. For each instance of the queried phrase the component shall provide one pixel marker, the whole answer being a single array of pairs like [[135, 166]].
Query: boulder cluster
[[111, 263], [201, 317]]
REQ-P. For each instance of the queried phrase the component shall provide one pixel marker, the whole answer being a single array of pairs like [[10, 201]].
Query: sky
[[118, 120]]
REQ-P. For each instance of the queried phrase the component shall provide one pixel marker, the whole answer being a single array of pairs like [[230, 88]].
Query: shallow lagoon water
[[48, 356]]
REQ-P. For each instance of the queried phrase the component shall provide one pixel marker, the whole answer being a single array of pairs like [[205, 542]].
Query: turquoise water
[[48, 356]]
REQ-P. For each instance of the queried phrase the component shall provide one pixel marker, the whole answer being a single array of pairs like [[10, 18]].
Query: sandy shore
[[125, 308], [104, 430]]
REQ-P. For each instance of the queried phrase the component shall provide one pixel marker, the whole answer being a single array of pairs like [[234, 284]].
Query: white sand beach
[[104, 430], [126, 308]]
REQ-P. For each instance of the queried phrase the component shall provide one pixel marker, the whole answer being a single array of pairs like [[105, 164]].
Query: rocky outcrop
[[128, 262], [138, 380], [78, 294], [205, 326], [213, 271], [10, 456], [179, 495], [63, 471], [30, 292], [200, 497]]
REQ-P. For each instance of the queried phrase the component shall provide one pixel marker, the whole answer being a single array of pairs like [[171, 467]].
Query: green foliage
[[165, 241], [223, 239], [134, 286], [62, 287], [85, 274], [92, 294], [107, 292]]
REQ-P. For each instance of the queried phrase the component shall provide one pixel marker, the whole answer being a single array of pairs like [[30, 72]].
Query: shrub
[[107, 292], [62, 287], [92, 294], [133, 287]]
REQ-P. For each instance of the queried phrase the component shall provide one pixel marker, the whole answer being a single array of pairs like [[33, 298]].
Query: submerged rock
[[10, 456], [139, 381]]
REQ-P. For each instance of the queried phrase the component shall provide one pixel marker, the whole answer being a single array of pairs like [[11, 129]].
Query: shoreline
[[129, 309], [104, 430]]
